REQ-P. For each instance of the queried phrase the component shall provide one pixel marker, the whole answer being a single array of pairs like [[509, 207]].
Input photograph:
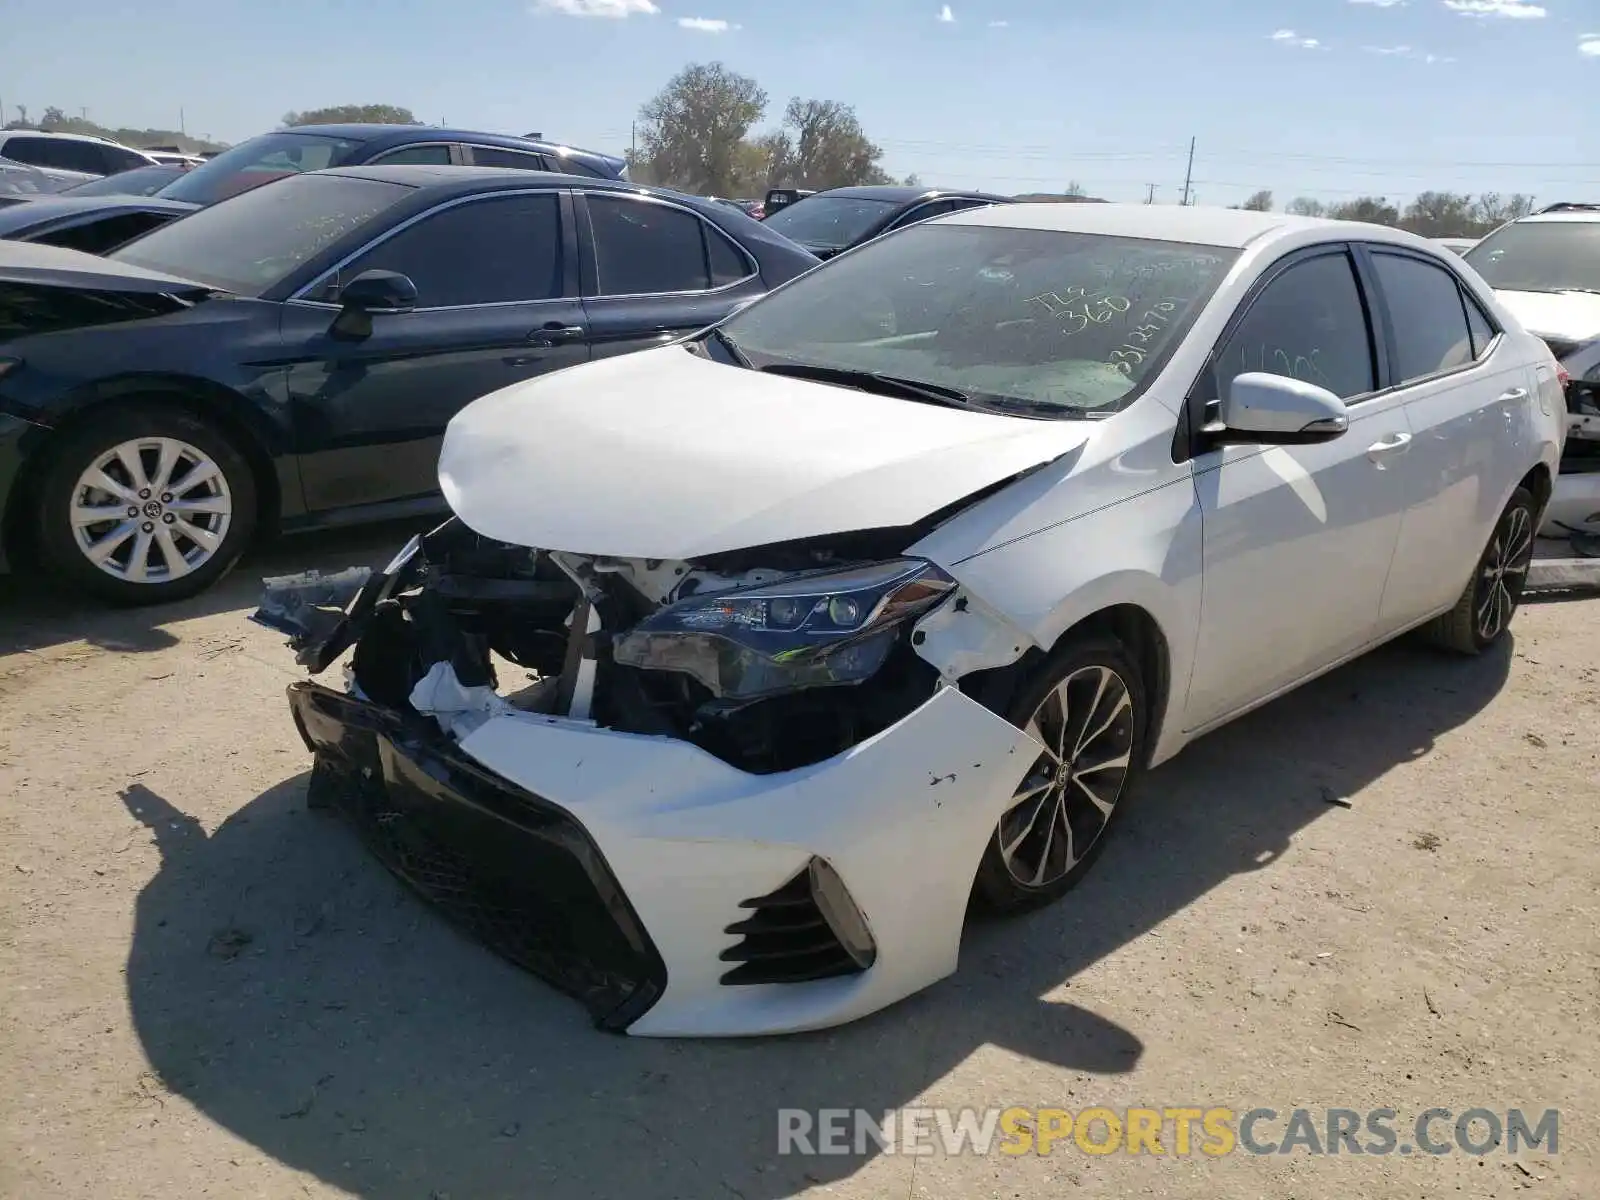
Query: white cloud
[[946, 17], [705, 24], [614, 9], [1381, 3], [999, 24], [1399, 51], [1289, 37], [1513, 10], [1589, 44], [1407, 52]]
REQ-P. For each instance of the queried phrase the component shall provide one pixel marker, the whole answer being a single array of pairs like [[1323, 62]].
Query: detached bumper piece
[[514, 870], [808, 929]]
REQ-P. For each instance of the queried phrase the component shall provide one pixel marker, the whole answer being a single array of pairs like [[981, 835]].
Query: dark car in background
[[831, 222], [317, 147], [93, 224], [289, 358]]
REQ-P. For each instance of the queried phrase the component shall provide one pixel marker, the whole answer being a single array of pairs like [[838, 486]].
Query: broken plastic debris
[[308, 605], [441, 695]]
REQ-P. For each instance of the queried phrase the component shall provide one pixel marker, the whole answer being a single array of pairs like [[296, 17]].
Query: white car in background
[[883, 593], [1546, 270], [34, 161]]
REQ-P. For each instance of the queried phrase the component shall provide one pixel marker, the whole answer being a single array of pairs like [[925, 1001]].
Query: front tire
[[1483, 613], [144, 504], [1087, 705]]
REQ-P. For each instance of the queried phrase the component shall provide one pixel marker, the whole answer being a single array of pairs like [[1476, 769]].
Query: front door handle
[[553, 332], [1396, 443]]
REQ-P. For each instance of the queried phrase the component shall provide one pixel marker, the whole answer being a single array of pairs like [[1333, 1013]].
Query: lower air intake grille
[[800, 933]]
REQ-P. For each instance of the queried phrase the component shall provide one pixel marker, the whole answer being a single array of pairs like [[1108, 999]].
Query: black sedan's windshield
[[260, 160], [1072, 323], [141, 181], [829, 222], [1540, 256], [253, 241]]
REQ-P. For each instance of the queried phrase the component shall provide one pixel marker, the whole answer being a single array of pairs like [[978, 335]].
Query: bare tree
[[824, 146], [1305, 206], [1260, 202], [1375, 210]]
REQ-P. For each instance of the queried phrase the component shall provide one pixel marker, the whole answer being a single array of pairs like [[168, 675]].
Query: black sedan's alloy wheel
[[1087, 709], [144, 504]]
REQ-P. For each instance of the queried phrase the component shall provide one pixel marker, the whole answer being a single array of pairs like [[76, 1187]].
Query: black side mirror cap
[[379, 292]]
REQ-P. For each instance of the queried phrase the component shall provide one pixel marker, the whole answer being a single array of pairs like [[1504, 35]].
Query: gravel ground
[[1379, 892]]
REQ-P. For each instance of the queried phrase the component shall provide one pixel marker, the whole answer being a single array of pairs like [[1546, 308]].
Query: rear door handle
[[554, 332], [1395, 443]]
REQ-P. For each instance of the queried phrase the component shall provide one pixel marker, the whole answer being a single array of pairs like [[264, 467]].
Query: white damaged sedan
[[747, 661]]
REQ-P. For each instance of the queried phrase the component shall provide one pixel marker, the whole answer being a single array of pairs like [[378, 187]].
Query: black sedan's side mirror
[[371, 292]]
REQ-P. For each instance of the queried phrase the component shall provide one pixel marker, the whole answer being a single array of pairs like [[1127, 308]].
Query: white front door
[[1297, 540]]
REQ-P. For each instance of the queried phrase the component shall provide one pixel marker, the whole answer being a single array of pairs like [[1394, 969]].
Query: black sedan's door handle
[[553, 332]]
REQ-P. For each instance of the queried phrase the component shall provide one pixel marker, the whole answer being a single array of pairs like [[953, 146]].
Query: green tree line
[[1430, 214], [54, 120]]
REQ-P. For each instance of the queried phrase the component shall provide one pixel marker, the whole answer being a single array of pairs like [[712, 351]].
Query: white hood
[[1567, 316], [663, 454]]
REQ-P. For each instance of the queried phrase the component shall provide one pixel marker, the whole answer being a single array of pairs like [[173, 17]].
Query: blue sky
[[1330, 98]]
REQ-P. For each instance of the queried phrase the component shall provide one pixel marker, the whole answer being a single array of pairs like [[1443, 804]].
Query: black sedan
[[93, 224], [831, 222], [289, 358]]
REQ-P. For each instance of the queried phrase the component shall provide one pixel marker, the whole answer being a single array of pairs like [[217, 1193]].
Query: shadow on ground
[[35, 612], [285, 986]]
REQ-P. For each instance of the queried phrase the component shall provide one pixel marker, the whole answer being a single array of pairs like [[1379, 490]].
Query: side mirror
[[371, 292], [1274, 410], [379, 292]]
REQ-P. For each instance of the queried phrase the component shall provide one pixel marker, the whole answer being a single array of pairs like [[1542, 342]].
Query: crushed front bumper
[[613, 864]]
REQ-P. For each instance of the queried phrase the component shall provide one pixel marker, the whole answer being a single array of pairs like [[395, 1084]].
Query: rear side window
[[568, 165], [1482, 331], [517, 160], [118, 159], [1309, 324], [1425, 308], [641, 248], [728, 262], [494, 251]]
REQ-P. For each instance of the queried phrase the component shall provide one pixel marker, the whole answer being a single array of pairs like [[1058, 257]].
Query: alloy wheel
[[1505, 570], [1086, 724], [151, 510]]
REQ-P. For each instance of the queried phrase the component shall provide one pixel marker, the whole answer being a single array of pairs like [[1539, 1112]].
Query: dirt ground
[[1380, 892]]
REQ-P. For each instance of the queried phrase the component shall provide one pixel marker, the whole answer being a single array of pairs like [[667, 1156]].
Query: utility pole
[[182, 128], [85, 112], [633, 142], [1188, 174], [1150, 196]]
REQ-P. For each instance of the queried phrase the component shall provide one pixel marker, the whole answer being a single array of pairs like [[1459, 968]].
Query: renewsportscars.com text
[[1177, 1131]]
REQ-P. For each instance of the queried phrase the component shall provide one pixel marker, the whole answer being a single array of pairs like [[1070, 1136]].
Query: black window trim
[[569, 255], [1190, 441], [590, 276], [1365, 253], [382, 155]]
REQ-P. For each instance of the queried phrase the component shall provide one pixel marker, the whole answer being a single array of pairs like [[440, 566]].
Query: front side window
[[493, 251], [256, 240], [257, 161], [829, 222], [431, 155], [1308, 324], [516, 160], [646, 249], [1425, 308], [1540, 256], [1069, 323]]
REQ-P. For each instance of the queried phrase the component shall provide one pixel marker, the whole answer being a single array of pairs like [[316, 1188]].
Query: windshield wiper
[[874, 381], [732, 347]]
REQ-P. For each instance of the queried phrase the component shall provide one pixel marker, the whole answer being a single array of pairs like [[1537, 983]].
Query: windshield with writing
[[248, 243], [1540, 256], [829, 221], [1073, 321]]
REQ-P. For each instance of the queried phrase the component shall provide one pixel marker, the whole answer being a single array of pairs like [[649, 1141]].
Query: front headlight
[[809, 630]]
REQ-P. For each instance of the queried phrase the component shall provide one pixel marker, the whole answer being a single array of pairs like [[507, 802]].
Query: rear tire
[[1483, 613], [1087, 704], [144, 504]]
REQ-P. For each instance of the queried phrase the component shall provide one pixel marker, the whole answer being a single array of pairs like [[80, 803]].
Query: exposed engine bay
[[770, 658]]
